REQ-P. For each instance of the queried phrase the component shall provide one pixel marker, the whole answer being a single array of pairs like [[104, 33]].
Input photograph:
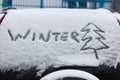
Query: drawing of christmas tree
[[93, 38]]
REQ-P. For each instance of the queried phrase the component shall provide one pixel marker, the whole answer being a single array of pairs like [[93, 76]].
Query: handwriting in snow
[[63, 36]]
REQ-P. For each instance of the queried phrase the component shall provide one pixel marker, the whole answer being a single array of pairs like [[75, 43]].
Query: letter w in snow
[[15, 37]]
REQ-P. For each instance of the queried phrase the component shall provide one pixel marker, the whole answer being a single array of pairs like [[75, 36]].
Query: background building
[[61, 3], [58, 3]]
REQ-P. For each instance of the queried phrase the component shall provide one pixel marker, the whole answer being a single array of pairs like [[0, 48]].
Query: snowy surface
[[117, 15], [69, 73], [23, 47]]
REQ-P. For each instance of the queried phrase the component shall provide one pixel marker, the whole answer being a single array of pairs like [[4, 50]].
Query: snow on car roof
[[58, 37], [117, 15]]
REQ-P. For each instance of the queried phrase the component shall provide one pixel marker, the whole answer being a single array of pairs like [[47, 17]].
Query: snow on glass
[[40, 40], [91, 36]]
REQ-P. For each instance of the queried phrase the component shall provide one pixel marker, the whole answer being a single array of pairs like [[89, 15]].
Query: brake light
[[118, 21], [2, 18]]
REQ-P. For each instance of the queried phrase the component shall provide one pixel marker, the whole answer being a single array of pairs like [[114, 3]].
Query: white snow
[[117, 15], [69, 73], [58, 26]]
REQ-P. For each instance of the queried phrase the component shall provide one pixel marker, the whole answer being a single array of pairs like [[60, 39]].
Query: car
[[59, 44]]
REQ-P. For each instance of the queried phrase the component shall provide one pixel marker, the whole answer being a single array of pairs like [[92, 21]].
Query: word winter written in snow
[[63, 36], [90, 38]]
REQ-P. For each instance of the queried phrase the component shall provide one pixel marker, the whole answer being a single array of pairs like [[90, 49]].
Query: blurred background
[[87, 4]]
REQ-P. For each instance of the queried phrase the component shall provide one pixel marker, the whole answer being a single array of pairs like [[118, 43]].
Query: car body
[[36, 42]]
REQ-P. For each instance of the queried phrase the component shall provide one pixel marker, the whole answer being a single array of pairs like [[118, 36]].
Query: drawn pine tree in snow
[[93, 39]]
